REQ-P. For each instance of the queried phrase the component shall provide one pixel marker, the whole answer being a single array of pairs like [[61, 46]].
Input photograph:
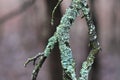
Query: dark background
[[25, 28]]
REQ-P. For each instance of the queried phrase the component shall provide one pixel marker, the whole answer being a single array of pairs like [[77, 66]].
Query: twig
[[37, 67], [52, 19], [33, 59], [43, 56]]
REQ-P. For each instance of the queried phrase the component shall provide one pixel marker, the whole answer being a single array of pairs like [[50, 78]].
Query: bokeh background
[[25, 28]]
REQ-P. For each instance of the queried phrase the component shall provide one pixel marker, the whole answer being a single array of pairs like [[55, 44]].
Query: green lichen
[[61, 36], [51, 42], [67, 61], [94, 44]]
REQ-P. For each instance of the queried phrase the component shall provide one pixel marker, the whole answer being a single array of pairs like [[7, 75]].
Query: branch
[[62, 37], [94, 44], [43, 56]]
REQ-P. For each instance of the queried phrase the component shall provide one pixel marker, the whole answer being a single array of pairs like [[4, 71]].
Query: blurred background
[[25, 28]]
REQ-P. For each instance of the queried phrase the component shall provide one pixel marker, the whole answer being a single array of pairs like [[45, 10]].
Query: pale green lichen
[[50, 45], [67, 61], [61, 36], [94, 44]]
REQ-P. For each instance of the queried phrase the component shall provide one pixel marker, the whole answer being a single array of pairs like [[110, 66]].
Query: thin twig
[[33, 59], [52, 19]]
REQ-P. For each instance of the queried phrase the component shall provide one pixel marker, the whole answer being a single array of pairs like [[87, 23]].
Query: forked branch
[[61, 36]]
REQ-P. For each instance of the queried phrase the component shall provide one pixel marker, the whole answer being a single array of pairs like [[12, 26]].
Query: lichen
[[61, 36], [94, 44]]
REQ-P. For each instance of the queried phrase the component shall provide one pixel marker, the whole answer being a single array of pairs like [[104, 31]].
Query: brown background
[[25, 28]]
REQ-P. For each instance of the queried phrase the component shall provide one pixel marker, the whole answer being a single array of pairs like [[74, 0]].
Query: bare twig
[[33, 59], [52, 19], [37, 67]]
